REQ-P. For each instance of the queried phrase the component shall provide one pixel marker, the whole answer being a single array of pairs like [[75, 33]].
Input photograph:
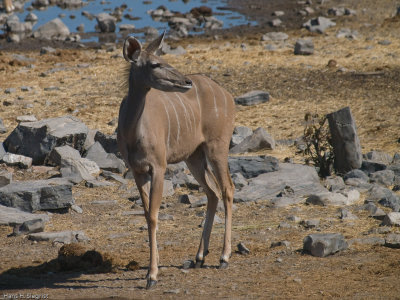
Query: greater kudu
[[167, 118], [8, 6]]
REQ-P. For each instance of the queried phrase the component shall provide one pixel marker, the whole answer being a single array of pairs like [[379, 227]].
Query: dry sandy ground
[[90, 85]]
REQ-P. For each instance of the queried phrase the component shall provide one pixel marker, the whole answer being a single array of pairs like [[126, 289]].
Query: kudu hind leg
[[197, 165], [219, 163]]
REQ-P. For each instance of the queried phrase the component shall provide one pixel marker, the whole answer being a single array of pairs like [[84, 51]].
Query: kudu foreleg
[[151, 188]]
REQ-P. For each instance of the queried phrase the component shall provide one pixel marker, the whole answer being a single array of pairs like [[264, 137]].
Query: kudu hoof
[[199, 264], [150, 284], [223, 264]]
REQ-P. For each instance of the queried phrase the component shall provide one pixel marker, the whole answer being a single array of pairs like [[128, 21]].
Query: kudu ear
[[131, 49], [155, 46]]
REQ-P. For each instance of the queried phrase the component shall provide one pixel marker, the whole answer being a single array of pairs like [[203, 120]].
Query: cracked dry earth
[[90, 85]]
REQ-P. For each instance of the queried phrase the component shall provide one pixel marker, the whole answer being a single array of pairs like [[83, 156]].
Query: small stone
[[304, 47], [393, 240], [324, 244], [188, 264], [310, 223], [26, 118], [243, 249], [5, 178], [10, 90], [21, 161], [392, 219], [76, 209]]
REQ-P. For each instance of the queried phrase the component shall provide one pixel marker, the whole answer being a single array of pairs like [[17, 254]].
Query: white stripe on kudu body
[[147, 143], [176, 115], [169, 123], [187, 117]]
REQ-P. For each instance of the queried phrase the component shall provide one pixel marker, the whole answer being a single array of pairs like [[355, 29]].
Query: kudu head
[[150, 69]]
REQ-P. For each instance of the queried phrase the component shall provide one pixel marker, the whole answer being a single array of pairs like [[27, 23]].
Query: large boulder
[[345, 141], [55, 29], [300, 180], [252, 166], [36, 195], [38, 139]]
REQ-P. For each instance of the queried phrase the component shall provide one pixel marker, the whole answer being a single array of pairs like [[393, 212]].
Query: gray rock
[[319, 24], [56, 155], [392, 240], [275, 22], [2, 151], [168, 188], [10, 90], [356, 173], [275, 36], [31, 17], [108, 142], [126, 27], [347, 33], [239, 181], [188, 264], [369, 167], [37, 195], [391, 219], [5, 178], [303, 180], [324, 244], [187, 199], [384, 196], [111, 176], [106, 22], [242, 249], [12, 216], [379, 157], [181, 178], [345, 141], [252, 166], [328, 198], [55, 29], [76, 209], [239, 134], [374, 211], [199, 203], [304, 47], [252, 98], [63, 237], [93, 183], [26, 118], [106, 161], [259, 140], [90, 139], [384, 177], [3, 128], [334, 183], [78, 170], [361, 185], [310, 223], [47, 50], [395, 168], [21, 161], [345, 214], [37, 139]]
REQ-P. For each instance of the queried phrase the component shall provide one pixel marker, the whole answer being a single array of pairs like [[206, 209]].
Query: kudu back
[[167, 117]]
